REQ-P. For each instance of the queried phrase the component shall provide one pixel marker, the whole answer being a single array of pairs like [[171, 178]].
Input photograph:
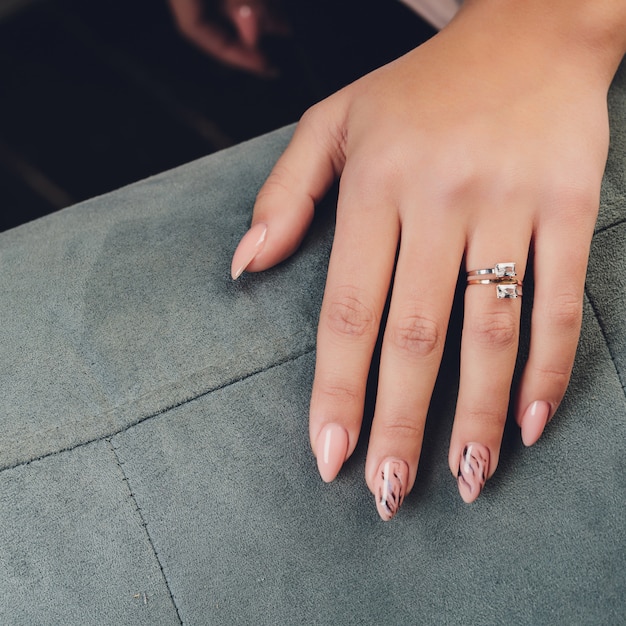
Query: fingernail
[[247, 250], [391, 482], [473, 470], [534, 421], [247, 25], [331, 448], [245, 11]]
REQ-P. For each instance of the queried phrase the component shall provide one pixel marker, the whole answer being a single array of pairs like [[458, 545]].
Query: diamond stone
[[505, 290], [505, 269]]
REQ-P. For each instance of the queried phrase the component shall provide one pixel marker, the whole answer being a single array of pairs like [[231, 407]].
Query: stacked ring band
[[502, 275]]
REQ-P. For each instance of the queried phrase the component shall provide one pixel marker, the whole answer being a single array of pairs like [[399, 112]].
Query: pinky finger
[[555, 329]]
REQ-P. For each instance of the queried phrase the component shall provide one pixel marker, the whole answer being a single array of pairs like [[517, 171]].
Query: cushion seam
[[155, 414], [609, 227], [144, 524], [598, 318]]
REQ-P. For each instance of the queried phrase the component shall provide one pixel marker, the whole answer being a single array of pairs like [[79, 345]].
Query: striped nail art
[[473, 470], [391, 484]]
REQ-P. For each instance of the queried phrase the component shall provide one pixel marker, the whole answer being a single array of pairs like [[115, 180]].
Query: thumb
[[285, 205]]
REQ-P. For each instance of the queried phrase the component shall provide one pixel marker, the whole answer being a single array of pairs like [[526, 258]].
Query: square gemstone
[[505, 269], [506, 291]]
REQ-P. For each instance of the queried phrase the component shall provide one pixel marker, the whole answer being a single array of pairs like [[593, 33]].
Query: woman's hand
[[232, 31], [486, 144]]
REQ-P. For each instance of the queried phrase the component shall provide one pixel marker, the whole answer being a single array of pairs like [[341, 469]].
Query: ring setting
[[502, 275]]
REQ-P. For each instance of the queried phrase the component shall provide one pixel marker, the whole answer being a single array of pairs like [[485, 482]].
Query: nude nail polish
[[473, 471], [534, 421], [391, 482], [331, 449], [249, 247]]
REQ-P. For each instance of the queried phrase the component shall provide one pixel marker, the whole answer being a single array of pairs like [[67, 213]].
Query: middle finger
[[423, 290]]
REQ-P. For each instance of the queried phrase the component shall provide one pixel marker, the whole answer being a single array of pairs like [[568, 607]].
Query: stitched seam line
[[131, 495], [598, 317], [166, 409], [608, 227]]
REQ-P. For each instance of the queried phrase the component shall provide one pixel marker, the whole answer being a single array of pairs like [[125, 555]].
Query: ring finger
[[488, 354]]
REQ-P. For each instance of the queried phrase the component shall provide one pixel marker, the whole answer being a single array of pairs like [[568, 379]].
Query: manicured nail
[[473, 470], [331, 448], [391, 482], [534, 421], [249, 247], [246, 22]]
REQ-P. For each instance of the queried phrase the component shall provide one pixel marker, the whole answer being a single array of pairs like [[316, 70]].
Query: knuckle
[[416, 335], [324, 124], [312, 116], [463, 185], [496, 330], [485, 418], [557, 376], [578, 196], [367, 182], [338, 393], [564, 311], [348, 315], [402, 428], [277, 183], [315, 119]]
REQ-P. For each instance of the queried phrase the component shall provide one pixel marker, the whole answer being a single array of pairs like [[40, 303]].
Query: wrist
[[585, 34]]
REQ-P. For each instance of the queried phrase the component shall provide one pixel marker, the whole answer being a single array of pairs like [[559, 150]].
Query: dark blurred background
[[95, 95]]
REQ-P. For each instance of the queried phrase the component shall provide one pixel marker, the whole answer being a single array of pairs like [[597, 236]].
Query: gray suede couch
[[154, 459]]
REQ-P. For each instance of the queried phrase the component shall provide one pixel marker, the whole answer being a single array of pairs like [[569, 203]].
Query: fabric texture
[[154, 456]]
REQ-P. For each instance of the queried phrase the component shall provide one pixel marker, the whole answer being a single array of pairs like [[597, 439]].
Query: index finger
[[359, 276]]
